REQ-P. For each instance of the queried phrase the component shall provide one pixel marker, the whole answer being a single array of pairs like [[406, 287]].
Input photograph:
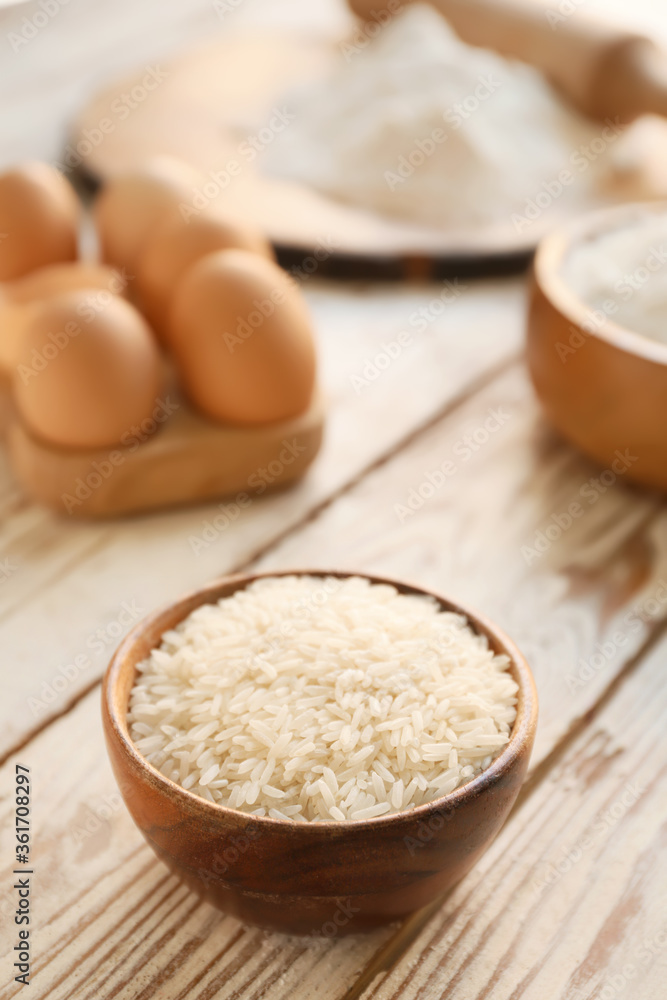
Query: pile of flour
[[413, 123], [622, 274]]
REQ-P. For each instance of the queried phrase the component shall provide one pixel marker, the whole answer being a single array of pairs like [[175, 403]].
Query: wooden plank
[[569, 901], [578, 610], [79, 576], [97, 891], [102, 899], [52, 562]]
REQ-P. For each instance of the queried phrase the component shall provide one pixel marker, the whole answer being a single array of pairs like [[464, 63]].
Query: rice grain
[[316, 699]]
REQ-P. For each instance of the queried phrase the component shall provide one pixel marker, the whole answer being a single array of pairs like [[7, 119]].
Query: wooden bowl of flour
[[602, 385], [325, 878]]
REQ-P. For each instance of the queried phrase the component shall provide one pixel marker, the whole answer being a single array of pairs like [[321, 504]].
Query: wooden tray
[[211, 98], [189, 459]]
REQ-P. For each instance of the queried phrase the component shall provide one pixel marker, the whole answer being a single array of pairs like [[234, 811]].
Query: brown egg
[[18, 299], [241, 335], [178, 244], [39, 219], [132, 205], [86, 374]]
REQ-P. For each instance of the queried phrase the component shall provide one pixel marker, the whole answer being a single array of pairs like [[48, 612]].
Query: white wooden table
[[569, 902]]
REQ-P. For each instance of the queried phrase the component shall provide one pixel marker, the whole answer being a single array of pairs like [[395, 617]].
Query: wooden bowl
[[603, 386], [322, 878]]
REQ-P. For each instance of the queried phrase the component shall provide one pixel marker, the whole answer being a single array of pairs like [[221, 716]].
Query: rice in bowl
[[322, 699]]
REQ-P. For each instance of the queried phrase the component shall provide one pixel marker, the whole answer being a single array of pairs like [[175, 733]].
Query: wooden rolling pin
[[605, 71]]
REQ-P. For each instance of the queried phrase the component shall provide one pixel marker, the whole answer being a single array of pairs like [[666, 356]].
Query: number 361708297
[[22, 813]]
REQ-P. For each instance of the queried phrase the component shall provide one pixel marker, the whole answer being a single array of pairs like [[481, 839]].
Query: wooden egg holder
[[181, 457]]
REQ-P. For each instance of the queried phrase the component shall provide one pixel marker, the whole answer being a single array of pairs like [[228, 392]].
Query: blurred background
[[84, 45], [437, 466]]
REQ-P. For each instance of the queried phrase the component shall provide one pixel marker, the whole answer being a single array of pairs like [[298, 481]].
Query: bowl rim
[[521, 734], [547, 269]]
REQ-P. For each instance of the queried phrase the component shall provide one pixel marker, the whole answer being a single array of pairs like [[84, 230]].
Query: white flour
[[622, 275], [418, 125]]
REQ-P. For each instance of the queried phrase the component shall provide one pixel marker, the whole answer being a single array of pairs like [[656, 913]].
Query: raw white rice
[[319, 699]]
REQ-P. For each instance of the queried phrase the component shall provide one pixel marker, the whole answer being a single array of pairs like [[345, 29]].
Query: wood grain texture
[[577, 610], [292, 877], [112, 922], [188, 460], [569, 901], [558, 611], [78, 576]]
